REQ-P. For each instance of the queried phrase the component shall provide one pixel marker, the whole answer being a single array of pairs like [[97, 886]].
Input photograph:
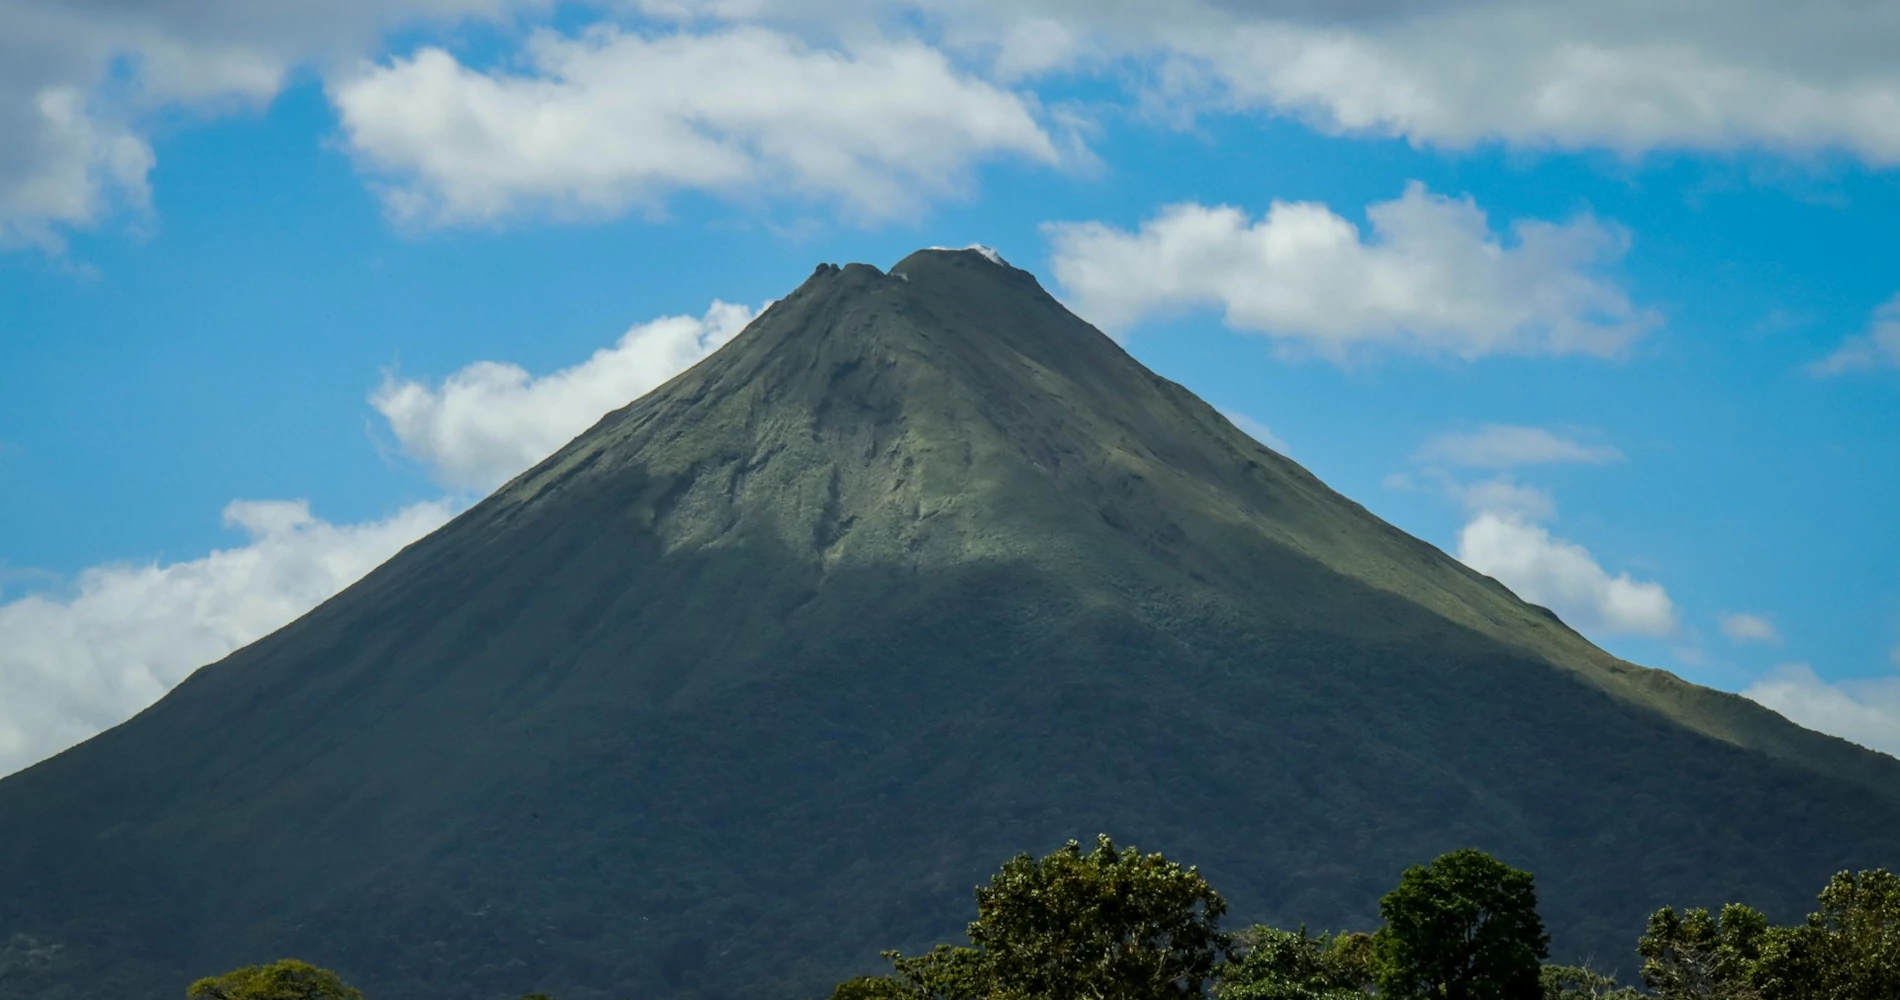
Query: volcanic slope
[[765, 671]]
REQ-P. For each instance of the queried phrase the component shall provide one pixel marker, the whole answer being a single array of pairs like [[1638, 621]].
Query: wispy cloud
[[1746, 628], [1877, 347], [1504, 446]]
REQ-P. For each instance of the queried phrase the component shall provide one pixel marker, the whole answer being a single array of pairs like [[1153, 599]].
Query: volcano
[[766, 670]]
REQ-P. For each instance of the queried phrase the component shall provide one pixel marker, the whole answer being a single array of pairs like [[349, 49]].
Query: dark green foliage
[[1109, 925], [1464, 927], [1566, 982], [943, 973], [287, 979], [763, 673], [1848, 949], [874, 988], [1700, 956], [1292, 965]]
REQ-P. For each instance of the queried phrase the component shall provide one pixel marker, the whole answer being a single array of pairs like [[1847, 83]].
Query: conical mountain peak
[[951, 409]]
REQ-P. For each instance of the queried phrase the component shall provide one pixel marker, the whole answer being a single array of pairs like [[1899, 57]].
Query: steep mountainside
[[763, 672]]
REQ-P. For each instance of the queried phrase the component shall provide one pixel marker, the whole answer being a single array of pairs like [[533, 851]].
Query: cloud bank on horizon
[[75, 664], [708, 84]]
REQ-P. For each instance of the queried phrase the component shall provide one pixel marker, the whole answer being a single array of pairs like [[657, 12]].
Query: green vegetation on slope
[[1120, 925], [911, 575]]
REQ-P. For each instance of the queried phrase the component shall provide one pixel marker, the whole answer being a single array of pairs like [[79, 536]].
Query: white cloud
[[68, 168], [613, 120], [1878, 347], [1255, 429], [1866, 712], [1564, 577], [492, 420], [1500, 446], [1744, 628], [78, 80], [1626, 75], [1431, 277], [73, 665]]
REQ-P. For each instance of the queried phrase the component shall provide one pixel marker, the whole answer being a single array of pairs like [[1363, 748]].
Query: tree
[[288, 979], [943, 973], [1292, 965], [1849, 949], [1699, 956], [1107, 925], [1464, 927]]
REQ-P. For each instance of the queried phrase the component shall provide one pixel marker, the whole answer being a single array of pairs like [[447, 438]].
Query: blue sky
[[1609, 312]]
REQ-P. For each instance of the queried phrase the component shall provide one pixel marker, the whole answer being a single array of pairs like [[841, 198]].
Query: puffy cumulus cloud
[[74, 664], [1626, 75], [491, 420], [77, 78], [1502, 446], [1430, 277], [1745, 628], [612, 120], [1865, 711], [1563, 576], [1878, 347]]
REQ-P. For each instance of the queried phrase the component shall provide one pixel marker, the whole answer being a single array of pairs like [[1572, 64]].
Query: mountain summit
[[767, 669]]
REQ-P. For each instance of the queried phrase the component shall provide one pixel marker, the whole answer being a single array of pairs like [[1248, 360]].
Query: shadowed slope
[[764, 671]]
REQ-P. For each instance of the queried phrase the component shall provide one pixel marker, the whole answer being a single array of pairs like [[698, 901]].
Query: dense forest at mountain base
[[1120, 925], [757, 676]]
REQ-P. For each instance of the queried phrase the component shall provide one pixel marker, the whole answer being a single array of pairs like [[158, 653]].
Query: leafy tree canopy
[[1107, 925], [1849, 949], [1292, 965], [1112, 925], [288, 979], [1702, 956], [1464, 927]]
